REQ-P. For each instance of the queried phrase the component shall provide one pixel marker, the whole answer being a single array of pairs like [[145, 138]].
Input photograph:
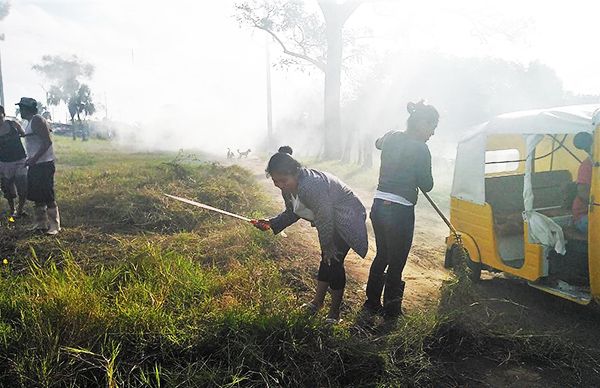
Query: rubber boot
[[392, 301], [40, 218], [374, 290], [54, 220]]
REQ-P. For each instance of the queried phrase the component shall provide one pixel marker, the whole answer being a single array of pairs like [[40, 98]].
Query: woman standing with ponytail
[[405, 168], [329, 205]]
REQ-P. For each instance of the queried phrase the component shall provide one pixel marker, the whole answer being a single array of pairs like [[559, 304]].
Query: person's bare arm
[[39, 127], [19, 128], [583, 192]]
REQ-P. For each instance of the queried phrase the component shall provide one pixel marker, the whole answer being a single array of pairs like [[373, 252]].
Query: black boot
[[392, 301], [374, 290]]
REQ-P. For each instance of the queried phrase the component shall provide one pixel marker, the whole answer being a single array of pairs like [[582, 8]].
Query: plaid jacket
[[335, 207]]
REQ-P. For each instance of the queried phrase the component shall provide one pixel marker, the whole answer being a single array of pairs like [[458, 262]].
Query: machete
[[264, 226], [207, 207]]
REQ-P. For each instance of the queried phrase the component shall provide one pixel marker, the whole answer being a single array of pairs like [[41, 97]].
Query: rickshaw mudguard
[[594, 221]]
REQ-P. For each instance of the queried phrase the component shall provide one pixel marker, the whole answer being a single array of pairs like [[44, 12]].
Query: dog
[[243, 153]]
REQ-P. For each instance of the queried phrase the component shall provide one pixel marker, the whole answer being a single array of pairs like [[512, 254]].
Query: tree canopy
[[65, 75], [4, 9]]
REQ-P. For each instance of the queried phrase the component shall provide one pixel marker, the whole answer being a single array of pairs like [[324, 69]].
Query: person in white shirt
[[41, 168], [405, 169]]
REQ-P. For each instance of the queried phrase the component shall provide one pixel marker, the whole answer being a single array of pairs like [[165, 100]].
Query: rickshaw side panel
[[477, 222], [594, 222], [534, 266]]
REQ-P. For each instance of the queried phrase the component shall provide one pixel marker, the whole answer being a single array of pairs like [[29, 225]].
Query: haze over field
[[186, 70], [127, 287]]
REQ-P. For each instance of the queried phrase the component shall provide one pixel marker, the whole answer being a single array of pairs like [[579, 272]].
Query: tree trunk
[[367, 145], [335, 15], [333, 83], [348, 143]]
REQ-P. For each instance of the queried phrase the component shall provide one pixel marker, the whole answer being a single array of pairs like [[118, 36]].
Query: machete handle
[[261, 224]]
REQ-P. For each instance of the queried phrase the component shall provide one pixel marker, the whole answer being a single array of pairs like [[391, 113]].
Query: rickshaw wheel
[[459, 255]]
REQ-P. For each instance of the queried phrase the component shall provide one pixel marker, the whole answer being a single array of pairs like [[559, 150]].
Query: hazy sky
[[189, 59]]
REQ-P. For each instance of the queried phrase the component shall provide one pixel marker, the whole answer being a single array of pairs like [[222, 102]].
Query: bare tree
[[309, 38]]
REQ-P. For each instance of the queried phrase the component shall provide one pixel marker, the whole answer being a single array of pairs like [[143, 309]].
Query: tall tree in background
[[309, 38], [65, 75]]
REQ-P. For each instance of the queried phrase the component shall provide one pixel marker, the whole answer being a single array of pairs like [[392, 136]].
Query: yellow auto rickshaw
[[509, 207]]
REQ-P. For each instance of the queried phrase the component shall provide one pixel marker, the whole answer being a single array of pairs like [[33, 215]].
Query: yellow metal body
[[475, 223], [594, 222]]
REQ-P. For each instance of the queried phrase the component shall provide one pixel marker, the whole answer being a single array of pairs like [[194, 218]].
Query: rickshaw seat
[[505, 196]]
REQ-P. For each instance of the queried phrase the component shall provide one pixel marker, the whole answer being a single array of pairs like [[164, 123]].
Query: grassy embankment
[[141, 291]]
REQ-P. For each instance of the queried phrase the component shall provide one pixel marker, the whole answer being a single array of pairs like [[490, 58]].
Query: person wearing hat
[[583, 141], [40, 163], [13, 170]]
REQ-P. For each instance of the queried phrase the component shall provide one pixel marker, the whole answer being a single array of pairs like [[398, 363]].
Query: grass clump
[[159, 316], [154, 304]]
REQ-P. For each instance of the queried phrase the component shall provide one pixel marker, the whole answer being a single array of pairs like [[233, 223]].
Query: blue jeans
[[582, 224], [394, 226]]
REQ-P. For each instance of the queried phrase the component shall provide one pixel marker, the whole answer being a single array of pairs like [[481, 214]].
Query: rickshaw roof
[[564, 119], [469, 169]]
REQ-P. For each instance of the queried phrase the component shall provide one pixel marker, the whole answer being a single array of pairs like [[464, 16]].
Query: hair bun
[[285, 149], [411, 107]]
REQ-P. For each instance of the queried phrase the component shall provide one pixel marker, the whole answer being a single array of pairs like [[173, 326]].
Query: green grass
[[142, 291]]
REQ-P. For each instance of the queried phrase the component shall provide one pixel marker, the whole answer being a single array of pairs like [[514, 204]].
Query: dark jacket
[[335, 207], [405, 165]]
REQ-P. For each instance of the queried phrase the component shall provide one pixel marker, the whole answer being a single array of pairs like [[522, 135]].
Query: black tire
[[457, 254]]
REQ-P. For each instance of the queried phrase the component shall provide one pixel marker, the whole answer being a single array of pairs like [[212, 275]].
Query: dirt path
[[424, 271]]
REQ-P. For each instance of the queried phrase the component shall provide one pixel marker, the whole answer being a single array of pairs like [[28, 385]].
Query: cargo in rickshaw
[[510, 200]]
